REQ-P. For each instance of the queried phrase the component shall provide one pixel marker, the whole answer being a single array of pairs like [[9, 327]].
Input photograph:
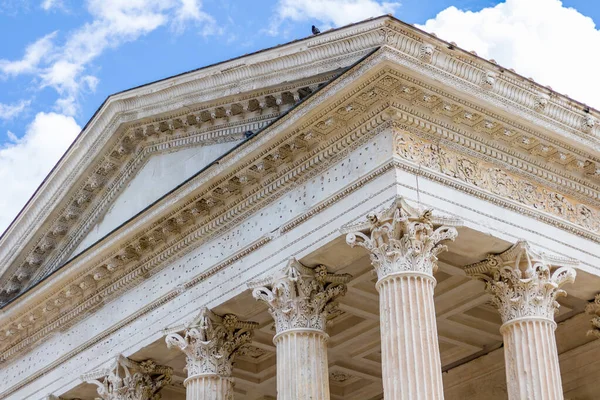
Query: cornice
[[322, 130]]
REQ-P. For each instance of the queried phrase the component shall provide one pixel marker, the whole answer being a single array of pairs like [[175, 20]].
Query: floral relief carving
[[130, 380], [300, 297], [426, 52], [402, 238], [253, 352], [540, 101], [495, 180], [212, 342], [524, 282], [411, 148], [593, 308], [340, 376]]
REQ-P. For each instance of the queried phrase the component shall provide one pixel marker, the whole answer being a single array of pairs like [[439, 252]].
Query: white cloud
[[190, 11], [330, 12], [63, 66], [9, 111], [52, 4], [25, 162], [34, 53], [114, 22], [556, 45]]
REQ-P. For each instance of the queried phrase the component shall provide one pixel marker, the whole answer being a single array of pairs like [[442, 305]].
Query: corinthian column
[[404, 243], [126, 379], [211, 343], [300, 299], [524, 285]]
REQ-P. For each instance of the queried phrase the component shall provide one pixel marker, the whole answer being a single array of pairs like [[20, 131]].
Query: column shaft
[[301, 300], [524, 284], [302, 369], [409, 341], [212, 387], [531, 357]]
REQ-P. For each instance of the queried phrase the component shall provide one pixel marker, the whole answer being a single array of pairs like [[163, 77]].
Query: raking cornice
[[92, 194]]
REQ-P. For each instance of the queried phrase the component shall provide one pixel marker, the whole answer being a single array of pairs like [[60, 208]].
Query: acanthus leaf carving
[[126, 379], [300, 297], [523, 282], [403, 239], [212, 342]]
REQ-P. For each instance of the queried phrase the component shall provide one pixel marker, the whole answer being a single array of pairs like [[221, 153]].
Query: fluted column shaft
[[404, 243], [524, 284], [531, 358], [302, 369], [301, 300], [208, 387], [409, 341]]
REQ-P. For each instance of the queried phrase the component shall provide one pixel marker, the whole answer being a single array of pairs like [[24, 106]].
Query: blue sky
[[59, 59]]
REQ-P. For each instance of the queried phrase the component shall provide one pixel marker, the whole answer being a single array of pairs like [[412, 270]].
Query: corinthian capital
[[212, 342], [301, 297], [403, 239], [524, 282], [126, 379]]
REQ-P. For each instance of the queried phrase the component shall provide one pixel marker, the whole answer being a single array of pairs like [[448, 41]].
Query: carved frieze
[[301, 297], [311, 145], [496, 180]]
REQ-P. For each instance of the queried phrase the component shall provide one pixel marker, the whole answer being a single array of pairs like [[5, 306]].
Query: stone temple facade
[[367, 213]]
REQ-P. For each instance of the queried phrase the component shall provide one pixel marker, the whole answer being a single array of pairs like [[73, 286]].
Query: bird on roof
[[315, 30]]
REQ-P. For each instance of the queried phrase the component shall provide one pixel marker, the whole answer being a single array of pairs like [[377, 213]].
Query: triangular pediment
[[138, 163], [160, 174]]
